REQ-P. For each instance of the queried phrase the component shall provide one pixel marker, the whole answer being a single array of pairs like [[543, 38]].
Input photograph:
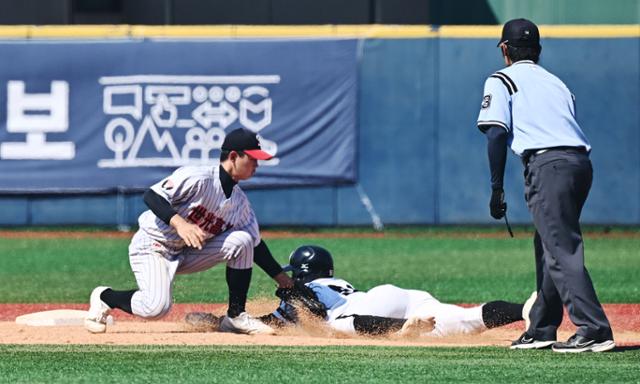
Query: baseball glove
[[301, 296]]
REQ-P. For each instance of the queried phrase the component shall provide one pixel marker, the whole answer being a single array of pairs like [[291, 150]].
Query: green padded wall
[[568, 11]]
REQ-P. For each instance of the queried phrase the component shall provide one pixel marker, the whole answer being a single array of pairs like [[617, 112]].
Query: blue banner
[[95, 116]]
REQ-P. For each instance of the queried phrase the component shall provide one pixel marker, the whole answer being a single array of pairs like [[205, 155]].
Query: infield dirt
[[172, 330]]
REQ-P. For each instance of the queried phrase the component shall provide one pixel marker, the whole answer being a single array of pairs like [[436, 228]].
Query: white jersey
[[534, 106], [157, 253], [342, 302], [196, 194], [334, 294]]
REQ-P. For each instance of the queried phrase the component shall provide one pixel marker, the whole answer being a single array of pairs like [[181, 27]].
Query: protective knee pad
[[238, 249]]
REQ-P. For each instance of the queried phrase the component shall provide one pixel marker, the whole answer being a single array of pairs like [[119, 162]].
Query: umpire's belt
[[531, 154]]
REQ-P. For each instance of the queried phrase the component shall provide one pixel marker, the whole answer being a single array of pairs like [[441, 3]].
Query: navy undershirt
[[227, 182], [497, 151]]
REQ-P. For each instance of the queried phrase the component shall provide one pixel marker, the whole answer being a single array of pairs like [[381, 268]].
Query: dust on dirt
[[173, 330]]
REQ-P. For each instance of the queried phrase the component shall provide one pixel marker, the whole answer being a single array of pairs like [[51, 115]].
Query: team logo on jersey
[[167, 184], [486, 101], [207, 220]]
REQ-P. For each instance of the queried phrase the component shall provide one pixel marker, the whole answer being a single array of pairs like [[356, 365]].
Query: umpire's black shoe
[[527, 342], [577, 343]]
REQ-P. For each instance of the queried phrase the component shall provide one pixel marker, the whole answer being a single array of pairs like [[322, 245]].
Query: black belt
[[530, 153]]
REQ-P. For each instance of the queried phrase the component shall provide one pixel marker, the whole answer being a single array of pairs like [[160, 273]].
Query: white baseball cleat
[[526, 308], [97, 317], [244, 323], [415, 326]]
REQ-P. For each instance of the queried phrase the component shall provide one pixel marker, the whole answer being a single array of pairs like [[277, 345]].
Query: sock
[[375, 325], [499, 313], [238, 281], [118, 299]]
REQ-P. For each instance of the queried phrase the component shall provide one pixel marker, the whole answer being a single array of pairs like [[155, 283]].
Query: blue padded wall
[[421, 159]]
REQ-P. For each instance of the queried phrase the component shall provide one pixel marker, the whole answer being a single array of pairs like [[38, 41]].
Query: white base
[[56, 318]]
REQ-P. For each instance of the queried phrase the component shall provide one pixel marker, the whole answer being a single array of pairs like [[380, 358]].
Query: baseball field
[[42, 270]]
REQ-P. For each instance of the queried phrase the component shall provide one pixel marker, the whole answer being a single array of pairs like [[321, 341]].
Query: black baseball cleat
[[578, 343], [527, 342]]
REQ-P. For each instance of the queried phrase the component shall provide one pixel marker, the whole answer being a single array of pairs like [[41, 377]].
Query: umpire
[[530, 110]]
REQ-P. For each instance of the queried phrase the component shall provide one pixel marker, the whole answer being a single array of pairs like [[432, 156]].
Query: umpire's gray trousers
[[557, 183]]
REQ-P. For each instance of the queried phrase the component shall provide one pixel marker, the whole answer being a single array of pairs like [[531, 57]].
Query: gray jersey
[[196, 194]]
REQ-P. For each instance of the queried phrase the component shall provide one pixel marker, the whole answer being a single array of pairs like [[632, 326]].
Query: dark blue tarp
[[94, 116]]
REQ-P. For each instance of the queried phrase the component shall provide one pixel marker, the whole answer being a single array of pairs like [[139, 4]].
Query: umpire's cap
[[246, 141], [520, 33]]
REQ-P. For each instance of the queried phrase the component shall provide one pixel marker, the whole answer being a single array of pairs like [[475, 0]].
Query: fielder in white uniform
[[385, 306], [198, 217]]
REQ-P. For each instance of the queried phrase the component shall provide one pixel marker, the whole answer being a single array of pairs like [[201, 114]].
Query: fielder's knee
[[238, 249], [159, 311], [150, 308]]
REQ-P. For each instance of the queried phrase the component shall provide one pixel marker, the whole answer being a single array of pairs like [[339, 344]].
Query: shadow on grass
[[626, 348]]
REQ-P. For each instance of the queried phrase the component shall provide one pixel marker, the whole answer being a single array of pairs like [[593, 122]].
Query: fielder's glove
[[203, 321], [497, 205], [302, 296]]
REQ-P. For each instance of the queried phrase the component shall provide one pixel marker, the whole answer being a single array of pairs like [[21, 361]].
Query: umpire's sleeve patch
[[486, 102]]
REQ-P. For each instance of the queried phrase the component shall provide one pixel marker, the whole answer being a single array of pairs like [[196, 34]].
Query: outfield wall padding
[[421, 160]]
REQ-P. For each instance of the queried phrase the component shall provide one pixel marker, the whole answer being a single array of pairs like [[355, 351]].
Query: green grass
[[451, 268], [261, 364], [454, 268]]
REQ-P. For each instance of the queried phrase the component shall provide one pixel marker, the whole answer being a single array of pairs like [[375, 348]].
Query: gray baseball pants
[[557, 183]]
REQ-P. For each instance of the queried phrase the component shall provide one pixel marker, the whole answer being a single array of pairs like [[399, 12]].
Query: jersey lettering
[[207, 220], [196, 214], [216, 226]]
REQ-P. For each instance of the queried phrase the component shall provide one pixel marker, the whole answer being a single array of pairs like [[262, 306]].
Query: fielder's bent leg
[[155, 276], [236, 249]]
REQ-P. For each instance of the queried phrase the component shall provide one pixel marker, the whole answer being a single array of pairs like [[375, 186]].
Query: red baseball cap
[[246, 141]]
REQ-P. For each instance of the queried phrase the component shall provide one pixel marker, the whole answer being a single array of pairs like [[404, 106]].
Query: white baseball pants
[[391, 301], [155, 266]]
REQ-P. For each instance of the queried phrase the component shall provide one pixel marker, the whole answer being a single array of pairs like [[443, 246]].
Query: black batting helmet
[[310, 262]]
